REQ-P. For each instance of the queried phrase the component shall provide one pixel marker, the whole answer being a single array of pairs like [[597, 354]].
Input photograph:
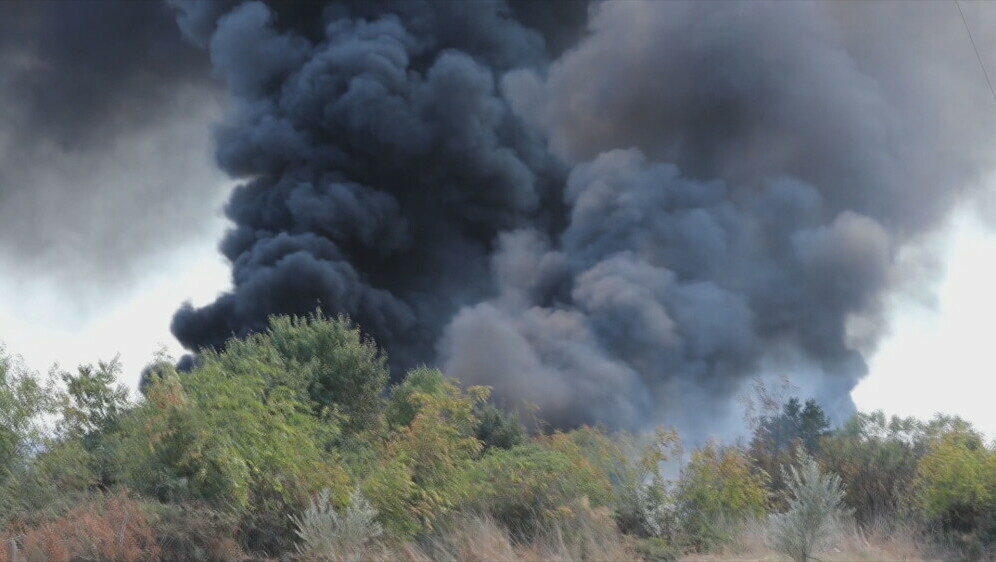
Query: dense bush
[[528, 487], [877, 461], [326, 361], [718, 488], [421, 471], [196, 532], [227, 437], [956, 481], [497, 428]]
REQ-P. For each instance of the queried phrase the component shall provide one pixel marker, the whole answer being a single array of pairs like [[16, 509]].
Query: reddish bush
[[112, 528]]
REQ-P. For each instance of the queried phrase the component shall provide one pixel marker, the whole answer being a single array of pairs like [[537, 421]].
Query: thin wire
[[976, 49]]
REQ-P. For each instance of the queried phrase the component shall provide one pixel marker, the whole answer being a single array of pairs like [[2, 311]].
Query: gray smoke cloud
[[619, 212], [104, 142]]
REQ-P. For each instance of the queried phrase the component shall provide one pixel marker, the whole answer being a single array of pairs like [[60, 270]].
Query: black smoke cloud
[[619, 212], [381, 161], [105, 106]]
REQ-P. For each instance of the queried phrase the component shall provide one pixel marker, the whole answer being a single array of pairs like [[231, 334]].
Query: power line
[[976, 49]]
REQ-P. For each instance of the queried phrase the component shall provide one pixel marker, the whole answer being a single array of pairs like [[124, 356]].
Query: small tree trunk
[[12, 551]]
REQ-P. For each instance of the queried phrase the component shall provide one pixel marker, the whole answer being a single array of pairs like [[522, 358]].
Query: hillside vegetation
[[289, 445]]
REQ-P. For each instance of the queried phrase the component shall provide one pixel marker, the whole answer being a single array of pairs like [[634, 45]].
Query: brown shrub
[[112, 528]]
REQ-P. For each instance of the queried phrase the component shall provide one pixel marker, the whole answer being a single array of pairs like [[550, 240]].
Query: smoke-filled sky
[[621, 212]]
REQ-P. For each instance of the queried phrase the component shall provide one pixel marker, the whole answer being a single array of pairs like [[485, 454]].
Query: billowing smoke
[[381, 162], [619, 212], [104, 143]]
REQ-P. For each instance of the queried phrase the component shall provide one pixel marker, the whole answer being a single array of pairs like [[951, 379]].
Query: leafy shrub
[[644, 501], [325, 532], [227, 437], [500, 429], [421, 469], [718, 487], [657, 549], [956, 481], [55, 480], [602, 462], [877, 460], [530, 486], [582, 533], [407, 398], [656, 510], [815, 507], [326, 360]]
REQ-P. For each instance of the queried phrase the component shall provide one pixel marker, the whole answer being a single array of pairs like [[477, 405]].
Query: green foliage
[[407, 397], [323, 362], [718, 488], [805, 424], [228, 437], [497, 428], [656, 549], [815, 503], [53, 481], [778, 437], [530, 486], [92, 401], [195, 532], [956, 481], [227, 452], [421, 473], [23, 403], [645, 502], [877, 460], [338, 366]]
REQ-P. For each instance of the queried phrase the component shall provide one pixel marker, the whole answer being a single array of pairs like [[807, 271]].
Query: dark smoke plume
[[619, 213], [381, 162]]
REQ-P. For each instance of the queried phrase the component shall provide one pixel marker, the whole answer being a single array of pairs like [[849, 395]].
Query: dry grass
[[473, 538], [880, 542]]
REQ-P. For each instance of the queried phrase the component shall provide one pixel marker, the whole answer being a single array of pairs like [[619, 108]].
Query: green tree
[[805, 424], [499, 429], [777, 438], [23, 403], [531, 487], [93, 401], [325, 361]]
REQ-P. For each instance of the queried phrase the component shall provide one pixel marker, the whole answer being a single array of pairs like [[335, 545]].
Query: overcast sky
[[111, 214]]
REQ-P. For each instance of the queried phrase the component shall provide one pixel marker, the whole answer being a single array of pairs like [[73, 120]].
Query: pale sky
[[941, 357], [134, 326]]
